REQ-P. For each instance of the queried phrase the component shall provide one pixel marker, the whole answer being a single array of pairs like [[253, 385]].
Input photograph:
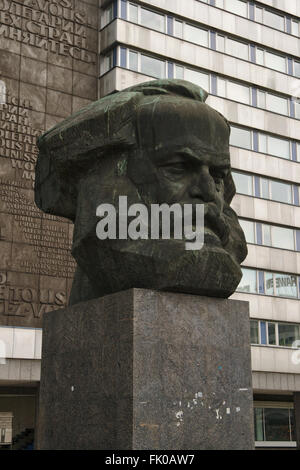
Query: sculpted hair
[[106, 126]]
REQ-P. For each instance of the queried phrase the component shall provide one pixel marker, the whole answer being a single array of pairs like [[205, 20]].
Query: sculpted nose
[[203, 186]]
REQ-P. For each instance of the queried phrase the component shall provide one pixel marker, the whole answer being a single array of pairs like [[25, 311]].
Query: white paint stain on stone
[[243, 389], [238, 409], [228, 411], [72, 388]]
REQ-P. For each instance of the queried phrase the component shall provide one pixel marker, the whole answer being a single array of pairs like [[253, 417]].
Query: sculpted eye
[[176, 168]]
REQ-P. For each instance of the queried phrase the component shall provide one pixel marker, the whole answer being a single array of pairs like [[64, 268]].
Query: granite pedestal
[[142, 369]]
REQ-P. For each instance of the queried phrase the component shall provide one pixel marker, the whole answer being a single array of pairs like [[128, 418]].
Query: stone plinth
[[142, 369]]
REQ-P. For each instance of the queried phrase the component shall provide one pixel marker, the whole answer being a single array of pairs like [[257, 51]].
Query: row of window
[[255, 281], [274, 423], [261, 142], [271, 235], [259, 14], [213, 84], [270, 333], [274, 190], [203, 37]]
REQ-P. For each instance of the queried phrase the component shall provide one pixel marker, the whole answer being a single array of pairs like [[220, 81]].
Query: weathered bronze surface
[[157, 142]]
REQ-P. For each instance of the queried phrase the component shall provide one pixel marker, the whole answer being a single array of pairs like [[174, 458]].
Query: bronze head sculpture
[[157, 142]]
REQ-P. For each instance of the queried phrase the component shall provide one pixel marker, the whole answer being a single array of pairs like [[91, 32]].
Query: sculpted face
[[182, 156], [189, 161], [155, 143]]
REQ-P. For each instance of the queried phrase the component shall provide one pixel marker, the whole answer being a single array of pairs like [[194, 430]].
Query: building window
[[248, 283], [274, 284], [249, 230], [153, 67], [280, 192], [254, 338], [243, 183], [133, 13], [198, 78], [153, 20], [274, 20], [282, 238], [241, 138], [133, 61], [274, 146], [196, 35], [107, 16], [271, 235], [270, 333], [274, 423], [274, 61], [237, 49]]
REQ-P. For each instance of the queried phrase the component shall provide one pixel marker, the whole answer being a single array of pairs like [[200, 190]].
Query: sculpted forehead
[[169, 122]]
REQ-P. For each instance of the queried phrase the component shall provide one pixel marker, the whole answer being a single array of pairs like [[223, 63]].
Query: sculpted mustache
[[217, 223]]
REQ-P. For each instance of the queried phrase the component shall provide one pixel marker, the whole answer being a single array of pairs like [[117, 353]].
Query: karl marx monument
[[150, 354]]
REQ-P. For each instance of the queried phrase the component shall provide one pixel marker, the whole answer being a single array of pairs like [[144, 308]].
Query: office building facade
[[60, 55]]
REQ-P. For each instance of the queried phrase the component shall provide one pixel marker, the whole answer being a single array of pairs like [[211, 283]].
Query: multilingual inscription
[[54, 26], [33, 244]]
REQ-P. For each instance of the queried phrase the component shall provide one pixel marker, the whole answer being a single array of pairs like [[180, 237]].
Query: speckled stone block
[[142, 369]]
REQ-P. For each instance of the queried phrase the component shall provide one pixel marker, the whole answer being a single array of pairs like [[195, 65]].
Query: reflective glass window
[[283, 238], [265, 189], [274, 20], [248, 282], [269, 284], [258, 14], [266, 235], [179, 71], [238, 92], [243, 183], [133, 13], [248, 229], [133, 61], [152, 67], [237, 6], [288, 334], [196, 35], [297, 69], [178, 28], [254, 332], [297, 109], [201, 79], [261, 99], [219, 3], [281, 192], [259, 424], [262, 143], [237, 49], [260, 57], [271, 333], [277, 104], [277, 424], [221, 87], [276, 62], [152, 20], [278, 147], [286, 285], [240, 138], [295, 28], [220, 43]]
